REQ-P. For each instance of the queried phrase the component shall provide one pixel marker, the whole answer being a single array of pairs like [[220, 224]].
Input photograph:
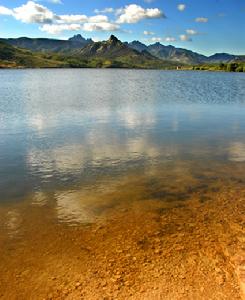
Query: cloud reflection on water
[[71, 209], [61, 128], [237, 152], [13, 222]]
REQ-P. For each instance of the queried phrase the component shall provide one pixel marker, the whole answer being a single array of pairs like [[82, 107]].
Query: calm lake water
[[67, 136]]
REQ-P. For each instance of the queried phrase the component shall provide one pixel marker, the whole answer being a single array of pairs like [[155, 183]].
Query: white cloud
[[201, 20], [181, 7], [81, 19], [134, 13], [107, 10], [103, 26], [148, 32], [72, 19], [5, 11], [59, 28], [32, 12], [191, 32], [99, 19], [170, 39], [156, 39], [185, 38]]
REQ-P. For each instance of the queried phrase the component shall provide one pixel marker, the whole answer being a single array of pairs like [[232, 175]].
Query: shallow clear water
[[70, 132]]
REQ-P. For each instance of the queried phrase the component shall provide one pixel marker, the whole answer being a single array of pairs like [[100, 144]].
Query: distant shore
[[187, 68]]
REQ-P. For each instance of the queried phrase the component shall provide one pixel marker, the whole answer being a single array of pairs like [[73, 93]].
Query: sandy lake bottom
[[178, 236]]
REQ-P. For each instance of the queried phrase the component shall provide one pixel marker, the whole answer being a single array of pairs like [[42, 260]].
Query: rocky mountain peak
[[80, 39], [77, 38], [113, 39]]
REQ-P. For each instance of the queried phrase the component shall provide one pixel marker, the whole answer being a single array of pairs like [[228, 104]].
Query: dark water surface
[[68, 136]]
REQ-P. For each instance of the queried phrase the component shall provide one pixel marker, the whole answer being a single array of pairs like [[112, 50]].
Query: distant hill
[[225, 58], [175, 54], [169, 52], [12, 57], [181, 55], [137, 46], [49, 45]]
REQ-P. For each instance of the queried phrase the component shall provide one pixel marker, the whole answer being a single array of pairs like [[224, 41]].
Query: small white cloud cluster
[[185, 38], [201, 20], [156, 39], [32, 12], [181, 7], [191, 32], [168, 39], [134, 13], [148, 32]]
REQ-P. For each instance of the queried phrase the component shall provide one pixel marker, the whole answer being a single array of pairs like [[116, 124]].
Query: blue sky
[[205, 26]]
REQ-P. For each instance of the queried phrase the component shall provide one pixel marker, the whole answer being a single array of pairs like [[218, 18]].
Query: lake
[[77, 145]]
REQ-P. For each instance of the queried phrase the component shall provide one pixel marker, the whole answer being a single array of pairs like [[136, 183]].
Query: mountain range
[[184, 56], [48, 45], [80, 52]]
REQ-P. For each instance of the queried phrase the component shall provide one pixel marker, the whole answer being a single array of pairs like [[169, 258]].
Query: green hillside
[[12, 57]]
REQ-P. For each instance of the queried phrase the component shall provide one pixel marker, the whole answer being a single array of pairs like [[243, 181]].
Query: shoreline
[[138, 69], [138, 250]]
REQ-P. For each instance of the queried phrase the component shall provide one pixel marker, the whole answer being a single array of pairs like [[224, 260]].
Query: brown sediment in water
[[189, 247]]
